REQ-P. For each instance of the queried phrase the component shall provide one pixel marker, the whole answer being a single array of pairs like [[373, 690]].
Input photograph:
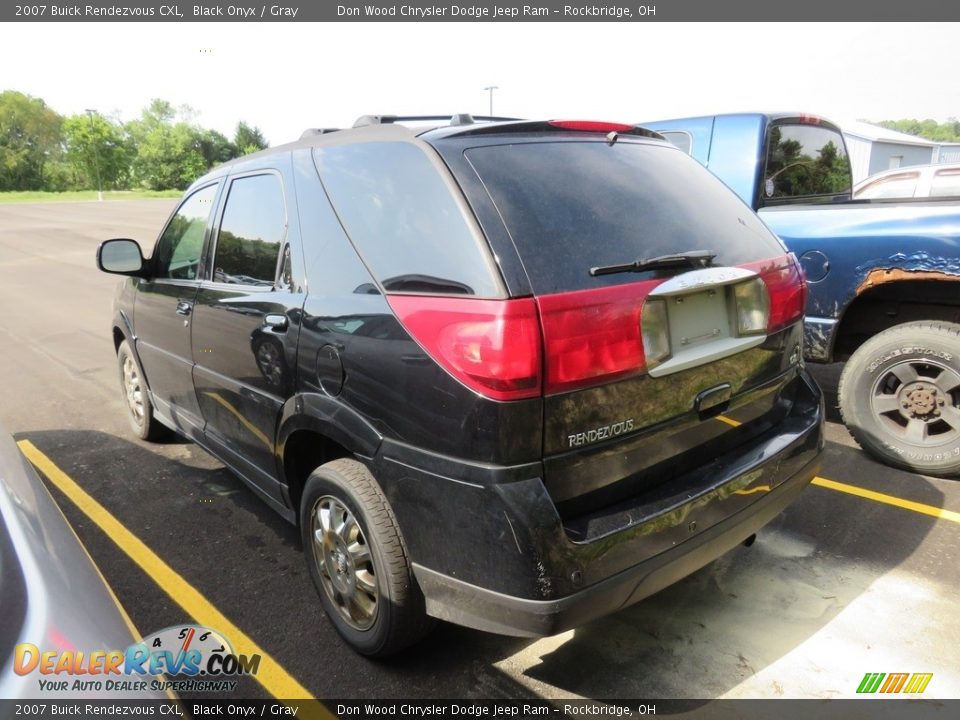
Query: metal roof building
[[873, 148]]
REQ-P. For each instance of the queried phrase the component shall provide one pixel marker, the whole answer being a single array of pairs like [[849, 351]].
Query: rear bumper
[[532, 577], [465, 604]]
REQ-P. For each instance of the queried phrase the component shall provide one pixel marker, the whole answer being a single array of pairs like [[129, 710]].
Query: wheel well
[[117, 338], [304, 452], [887, 303]]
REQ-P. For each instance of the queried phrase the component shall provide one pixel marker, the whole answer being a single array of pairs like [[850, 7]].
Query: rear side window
[[405, 220], [804, 161], [251, 232], [570, 206]]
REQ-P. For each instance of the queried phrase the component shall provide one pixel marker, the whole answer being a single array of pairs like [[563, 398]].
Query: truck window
[[804, 161]]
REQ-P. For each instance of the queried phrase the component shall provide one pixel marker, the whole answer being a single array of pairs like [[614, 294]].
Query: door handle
[[275, 322], [184, 307]]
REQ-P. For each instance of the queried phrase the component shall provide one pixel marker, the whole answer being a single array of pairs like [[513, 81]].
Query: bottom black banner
[[868, 709]]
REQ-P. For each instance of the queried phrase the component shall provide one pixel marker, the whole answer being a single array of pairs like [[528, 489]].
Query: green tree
[[216, 148], [948, 131], [168, 154], [248, 139], [97, 150], [29, 140]]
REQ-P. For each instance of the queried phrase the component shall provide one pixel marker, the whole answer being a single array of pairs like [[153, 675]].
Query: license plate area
[[701, 318]]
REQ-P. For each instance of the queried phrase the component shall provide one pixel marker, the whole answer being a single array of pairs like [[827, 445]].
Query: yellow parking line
[[931, 510], [275, 680]]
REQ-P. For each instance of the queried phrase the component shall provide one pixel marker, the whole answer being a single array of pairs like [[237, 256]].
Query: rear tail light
[[752, 307], [588, 337], [592, 336], [491, 346], [787, 288], [591, 126]]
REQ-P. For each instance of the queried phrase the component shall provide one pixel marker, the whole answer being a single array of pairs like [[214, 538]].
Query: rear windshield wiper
[[690, 259]]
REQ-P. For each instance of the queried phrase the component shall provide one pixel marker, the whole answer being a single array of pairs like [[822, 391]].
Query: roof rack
[[313, 132], [454, 119]]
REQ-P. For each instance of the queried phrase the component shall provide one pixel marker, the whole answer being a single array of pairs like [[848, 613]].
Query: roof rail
[[313, 132], [454, 119]]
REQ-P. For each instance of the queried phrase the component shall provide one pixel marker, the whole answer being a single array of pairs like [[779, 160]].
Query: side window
[[177, 254], [901, 185], [405, 220], [804, 161], [251, 232], [945, 183]]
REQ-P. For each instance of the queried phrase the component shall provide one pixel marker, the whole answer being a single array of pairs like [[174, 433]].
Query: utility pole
[[490, 89], [96, 156]]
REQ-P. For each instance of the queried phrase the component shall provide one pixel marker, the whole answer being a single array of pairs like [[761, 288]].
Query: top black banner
[[484, 11]]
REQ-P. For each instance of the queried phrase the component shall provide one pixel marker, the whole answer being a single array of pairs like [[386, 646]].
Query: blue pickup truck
[[883, 277]]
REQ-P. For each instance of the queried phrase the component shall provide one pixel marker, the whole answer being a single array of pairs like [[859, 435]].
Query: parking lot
[[860, 575]]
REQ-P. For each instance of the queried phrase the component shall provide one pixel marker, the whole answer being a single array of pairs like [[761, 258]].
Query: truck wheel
[[900, 393], [134, 390], [358, 560]]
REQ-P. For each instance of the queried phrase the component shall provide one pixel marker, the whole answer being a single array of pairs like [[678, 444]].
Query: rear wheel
[[358, 561], [900, 397], [136, 398]]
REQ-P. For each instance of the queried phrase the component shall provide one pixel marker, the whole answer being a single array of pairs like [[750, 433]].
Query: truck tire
[[359, 562], [900, 394]]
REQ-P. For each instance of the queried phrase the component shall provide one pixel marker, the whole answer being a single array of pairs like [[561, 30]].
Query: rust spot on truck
[[881, 276]]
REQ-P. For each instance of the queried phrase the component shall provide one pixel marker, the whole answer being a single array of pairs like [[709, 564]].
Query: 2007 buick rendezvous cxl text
[[514, 375]]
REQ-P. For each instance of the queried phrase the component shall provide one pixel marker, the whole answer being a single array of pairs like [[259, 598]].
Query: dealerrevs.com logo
[[911, 683], [200, 658]]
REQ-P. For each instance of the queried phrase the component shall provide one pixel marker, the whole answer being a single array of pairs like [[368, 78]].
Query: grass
[[84, 195]]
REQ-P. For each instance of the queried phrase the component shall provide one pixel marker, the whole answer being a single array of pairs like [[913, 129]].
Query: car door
[[163, 311], [245, 328]]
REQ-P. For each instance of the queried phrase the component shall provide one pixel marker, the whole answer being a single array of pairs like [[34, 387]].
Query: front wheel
[[900, 397], [137, 398], [358, 561]]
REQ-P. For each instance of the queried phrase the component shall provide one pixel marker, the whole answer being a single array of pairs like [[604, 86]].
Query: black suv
[[514, 375]]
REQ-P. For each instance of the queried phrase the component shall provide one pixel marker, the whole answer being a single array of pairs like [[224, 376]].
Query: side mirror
[[120, 256]]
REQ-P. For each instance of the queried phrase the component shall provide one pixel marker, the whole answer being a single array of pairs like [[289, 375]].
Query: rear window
[[570, 206], [804, 161], [406, 220]]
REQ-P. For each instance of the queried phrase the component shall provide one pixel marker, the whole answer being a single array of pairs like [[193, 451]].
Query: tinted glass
[[945, 183], [178, 250], [251, 232], [402, 216], [896, 186], [570, 206], [804, 161]]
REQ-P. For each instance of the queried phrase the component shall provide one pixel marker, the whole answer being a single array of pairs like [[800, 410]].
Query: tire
[[358, 561], [899, 397], [136, 398]]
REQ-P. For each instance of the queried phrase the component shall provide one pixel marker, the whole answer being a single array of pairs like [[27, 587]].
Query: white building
[[873, 148]]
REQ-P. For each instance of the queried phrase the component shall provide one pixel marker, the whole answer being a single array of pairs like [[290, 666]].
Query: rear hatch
[[669, 313]]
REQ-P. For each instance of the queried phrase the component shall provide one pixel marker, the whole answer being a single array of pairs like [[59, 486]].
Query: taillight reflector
[[787, 288], [591, 125], [491, 346], [592, 336]]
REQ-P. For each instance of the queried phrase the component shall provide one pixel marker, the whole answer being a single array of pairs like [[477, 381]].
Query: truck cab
[[883, 276]]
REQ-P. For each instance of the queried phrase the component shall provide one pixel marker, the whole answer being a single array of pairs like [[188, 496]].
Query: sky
[[284, 78]]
